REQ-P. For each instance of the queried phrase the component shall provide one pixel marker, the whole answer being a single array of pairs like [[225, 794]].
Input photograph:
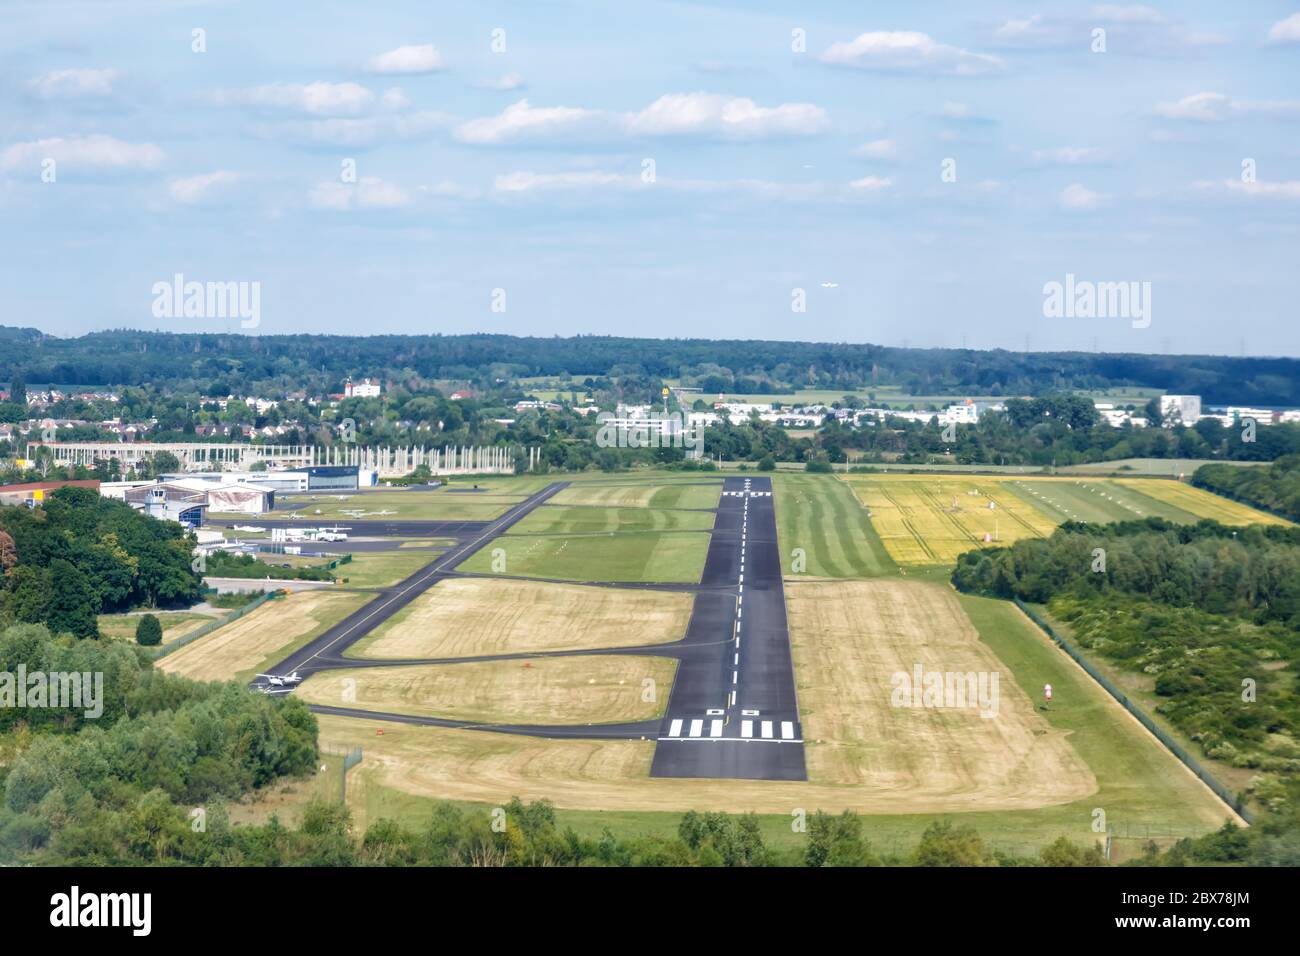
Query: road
[[733, 710]]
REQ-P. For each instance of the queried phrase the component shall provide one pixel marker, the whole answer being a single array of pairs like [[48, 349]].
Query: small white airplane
[[275, 680], [830, 285]]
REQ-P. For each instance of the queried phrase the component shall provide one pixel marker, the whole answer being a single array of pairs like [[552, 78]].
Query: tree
[[767, 463], [148, 633], [72, 602]]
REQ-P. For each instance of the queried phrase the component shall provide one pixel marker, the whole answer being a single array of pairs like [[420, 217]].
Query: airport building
[[1185, 409], [168, 501]]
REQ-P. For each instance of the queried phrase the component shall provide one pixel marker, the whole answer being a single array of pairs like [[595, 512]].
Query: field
[[1202, 503], [850, 639], [175, 624], [668, 556], [924, 519], [379, 569], [698, 493], [466, 617], [930, 519], [586, 519], [820, 516], [261, 637], [592, 689]]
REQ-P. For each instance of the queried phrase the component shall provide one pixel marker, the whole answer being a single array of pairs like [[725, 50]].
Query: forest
[[1274, 487], [228, 362]]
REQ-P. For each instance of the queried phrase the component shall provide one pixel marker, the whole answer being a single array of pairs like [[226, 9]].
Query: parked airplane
[[275, 680]]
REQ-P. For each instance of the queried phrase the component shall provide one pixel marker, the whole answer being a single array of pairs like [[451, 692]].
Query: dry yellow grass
[[849, 639], [862, 754], [467, 617], [931, 519], [257, 639], [596, 689], [1201, 503]]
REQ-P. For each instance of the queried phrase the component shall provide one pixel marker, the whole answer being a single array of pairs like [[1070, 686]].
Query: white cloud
[[524, 181], [504, 83], [424, 58], [1216, 107], [318, 99], [193, 189], [909, 51], [1070, 156], [369, 192], [871, 183], [97, 152], [695, 114], [1280, 190], [1078, 198], [884, 149], [360, 132], [1286, 31], [731, 117], [70, 84], [1119, 13]]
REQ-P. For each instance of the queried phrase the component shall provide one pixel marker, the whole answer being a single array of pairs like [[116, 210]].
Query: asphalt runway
[[733, 710]]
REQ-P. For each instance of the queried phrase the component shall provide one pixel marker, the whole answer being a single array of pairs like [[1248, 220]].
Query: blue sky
[[658, 169]]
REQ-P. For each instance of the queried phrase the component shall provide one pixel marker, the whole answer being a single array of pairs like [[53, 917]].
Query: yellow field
[[1201, 503], [469, 617], [851, 640], [595, 689], [262, 636], [929, 519]]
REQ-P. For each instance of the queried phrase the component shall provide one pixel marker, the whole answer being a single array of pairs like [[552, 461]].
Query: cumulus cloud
[[73, 84], [1078, 198], [523, 181], [871, 183], [404, 60], [317, 99], [195, 189], [369, 192], [1143, 28], [93, 152], [1216, 107], [1070, 156], [504, 83], [909, 52], [882, 149], [1285, 189], [682, 114], [1285, 31]]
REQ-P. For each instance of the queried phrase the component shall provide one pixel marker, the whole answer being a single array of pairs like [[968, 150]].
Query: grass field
[[263, 636], [682, 494], [1202, 503], [850, 638], [380, 569], [175, 624], [1140, 788], [592, 689], [1096, 500], [928, 519], [670, 556], [586, 519], [820, 516], [469, 617]]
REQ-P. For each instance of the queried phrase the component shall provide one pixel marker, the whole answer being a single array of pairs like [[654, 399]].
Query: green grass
[[1140, 783], [1096, 501], [820, 515], [668, 556], [381, 569], [587, 519], [121, 627]]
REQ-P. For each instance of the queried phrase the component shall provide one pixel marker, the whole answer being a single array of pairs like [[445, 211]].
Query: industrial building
[[33, 493]]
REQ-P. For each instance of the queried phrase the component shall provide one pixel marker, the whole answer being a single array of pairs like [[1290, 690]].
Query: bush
[[768, 463], [148, 633]]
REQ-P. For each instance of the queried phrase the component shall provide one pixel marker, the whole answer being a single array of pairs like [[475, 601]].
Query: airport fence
[[212, 625], [351, 757], [1173, 746]]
